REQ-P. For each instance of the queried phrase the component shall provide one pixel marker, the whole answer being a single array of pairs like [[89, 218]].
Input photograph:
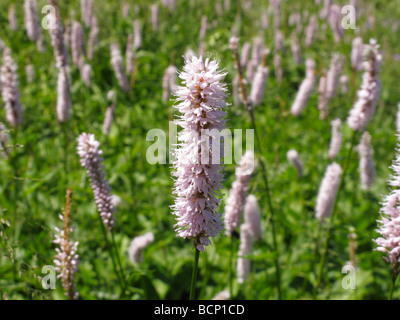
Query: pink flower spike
[[90, 154], [389, 225], [201, 103]]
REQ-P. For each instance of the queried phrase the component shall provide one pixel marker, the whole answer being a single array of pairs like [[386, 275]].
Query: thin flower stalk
[[66, 260], [249, 107]]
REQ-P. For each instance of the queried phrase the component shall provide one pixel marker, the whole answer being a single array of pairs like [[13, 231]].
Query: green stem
[[394, 278], [331, 221], [315, 252], [111, 255], [194, 274], [391, 291], [206, 276], [263, 169], [118, 258], [271, 209]]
